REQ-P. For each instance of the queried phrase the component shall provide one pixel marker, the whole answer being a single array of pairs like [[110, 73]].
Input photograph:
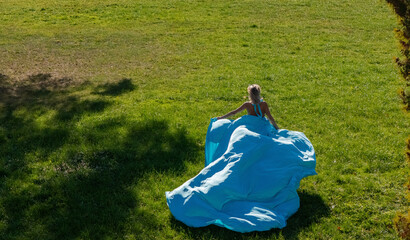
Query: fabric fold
[[250, 178]]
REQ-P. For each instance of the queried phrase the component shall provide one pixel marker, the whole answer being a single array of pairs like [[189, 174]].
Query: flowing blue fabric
[[251, 175]]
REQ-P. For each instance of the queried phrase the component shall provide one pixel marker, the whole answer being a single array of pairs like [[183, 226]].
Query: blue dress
[[251, 175]]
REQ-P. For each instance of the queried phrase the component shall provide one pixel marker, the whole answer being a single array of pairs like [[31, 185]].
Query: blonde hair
[[254, 91]]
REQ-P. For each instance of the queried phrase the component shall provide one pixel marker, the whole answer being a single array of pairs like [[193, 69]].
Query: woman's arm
[[239, 109], [271, 118]]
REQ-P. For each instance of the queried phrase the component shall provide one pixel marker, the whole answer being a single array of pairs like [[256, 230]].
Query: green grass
[[104, 106]]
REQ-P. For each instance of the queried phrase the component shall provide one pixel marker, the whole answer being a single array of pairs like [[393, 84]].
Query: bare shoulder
[[247, 105], [265, 107], [264, 104]]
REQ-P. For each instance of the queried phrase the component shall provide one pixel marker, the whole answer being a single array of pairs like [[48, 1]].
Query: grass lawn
[[104, 106]]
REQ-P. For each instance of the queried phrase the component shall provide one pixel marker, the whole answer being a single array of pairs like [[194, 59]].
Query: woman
[[255, 107], [252, 170]]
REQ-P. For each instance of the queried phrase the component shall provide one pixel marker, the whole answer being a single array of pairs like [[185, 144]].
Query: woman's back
[[255, 107], [258, 109]]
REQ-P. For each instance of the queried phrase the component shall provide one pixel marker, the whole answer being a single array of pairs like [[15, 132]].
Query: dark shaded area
[[94, 187], [115, 89], [312, 209], [83, 193], [74, 107], [33, 89]]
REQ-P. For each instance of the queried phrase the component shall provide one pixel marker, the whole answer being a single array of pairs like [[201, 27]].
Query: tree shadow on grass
[[79, 192], [312, 209], [115, 89], [22, 102], [93, 193], [34, 89]]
